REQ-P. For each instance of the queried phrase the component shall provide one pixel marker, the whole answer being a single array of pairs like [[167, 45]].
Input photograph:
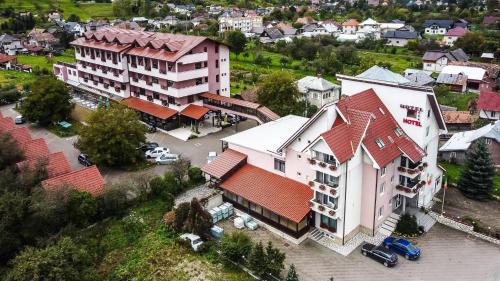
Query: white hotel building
[[344, 171]]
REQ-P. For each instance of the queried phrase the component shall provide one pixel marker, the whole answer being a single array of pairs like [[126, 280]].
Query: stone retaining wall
[[462, 227]]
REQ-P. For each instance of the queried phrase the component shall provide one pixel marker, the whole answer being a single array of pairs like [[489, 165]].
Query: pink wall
[[368, 195], [297, 166], [213, 86], [383, 199], [258, 159]]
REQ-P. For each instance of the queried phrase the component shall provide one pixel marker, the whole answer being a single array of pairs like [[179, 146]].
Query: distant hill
[[68, 7]]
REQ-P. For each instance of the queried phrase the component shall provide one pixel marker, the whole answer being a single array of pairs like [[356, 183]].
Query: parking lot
[[447, 254]]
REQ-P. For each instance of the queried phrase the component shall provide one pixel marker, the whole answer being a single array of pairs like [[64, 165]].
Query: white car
[[194, 239], [211, 156], [166, 158], [157, 152]]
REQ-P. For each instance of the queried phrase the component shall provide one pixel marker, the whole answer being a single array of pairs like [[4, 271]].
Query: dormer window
[[398, 132], [380, 143]]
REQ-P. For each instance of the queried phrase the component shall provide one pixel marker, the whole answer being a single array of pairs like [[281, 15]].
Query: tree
[[10, 153], [256, 260], [13, 210], [471, 43], [180, 169], [73, 18], [62, 261], [279, 92], [112, 136], [195, 175], [199, 221], [292, 274], [9, 94], [476, 179], [82, 208], [441, 90], [235, 247], [236, 41], [49, 102], [181, 215], [274, 260]]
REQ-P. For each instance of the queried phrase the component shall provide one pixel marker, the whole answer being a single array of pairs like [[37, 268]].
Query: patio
[[185, 132]]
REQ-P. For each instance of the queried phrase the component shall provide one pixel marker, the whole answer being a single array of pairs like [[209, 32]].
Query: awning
[[224, 164], [195, 111], [149, 108], [281, 195]]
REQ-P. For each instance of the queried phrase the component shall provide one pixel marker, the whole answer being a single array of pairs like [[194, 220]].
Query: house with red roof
[[85, 180], [453, 35], [488, 105], [350, 26], [349, 171]]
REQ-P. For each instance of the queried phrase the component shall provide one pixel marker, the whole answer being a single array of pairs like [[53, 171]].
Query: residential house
[[456, 82], [74, 27], [453, 35], [42, 39], [492, 78], [184, 9], [96, 25], [312, 30], [435, 60], [54, 16], [437, 27], [456, 148], [475, 76], [491, 20], [242, 23], [462, 23], [270, 35], [458, 121], [10, 45], [391, 26], [330, 26], [306, 20], [342, 172], [370, 23], [7, 62], [420, 78], [489, 105], [350, 27], [399, 38], [318, 91]]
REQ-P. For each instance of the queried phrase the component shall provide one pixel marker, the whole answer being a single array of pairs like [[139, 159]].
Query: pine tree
[[292, 274], [476, 180], [274, 260], [256, 260]]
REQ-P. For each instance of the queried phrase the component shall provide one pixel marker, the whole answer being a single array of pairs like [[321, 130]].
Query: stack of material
[[239, 223], [217, 232]]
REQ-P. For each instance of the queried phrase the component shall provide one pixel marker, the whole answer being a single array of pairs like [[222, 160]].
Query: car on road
[[156, 152], [148, 146], [84, 160], [166, 158], [402, 247], [385, 256], [150, 128], [19, 119], [193, 239], [211, 156]]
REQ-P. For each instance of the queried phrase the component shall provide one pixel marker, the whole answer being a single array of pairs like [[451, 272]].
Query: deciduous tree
[[8, 94], [279, 92], [471, 43], [236, 41]]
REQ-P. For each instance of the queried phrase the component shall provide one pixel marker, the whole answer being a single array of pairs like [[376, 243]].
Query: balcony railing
[[332, 166], [332, 190], [412, 187], [326, 209]]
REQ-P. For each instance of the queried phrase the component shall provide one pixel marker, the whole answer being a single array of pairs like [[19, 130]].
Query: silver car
[[166, 158]]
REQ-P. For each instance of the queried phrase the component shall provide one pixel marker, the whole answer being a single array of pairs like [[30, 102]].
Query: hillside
[[83, 10]]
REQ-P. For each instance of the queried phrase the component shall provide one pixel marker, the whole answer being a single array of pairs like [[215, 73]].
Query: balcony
[[325, 209], [410, 188], [187, 91], [194, 58], [170, 75], [332, 190], [316, 164], [104, 74], [412, 170], [148, 85], [104, 89], [96, 60]]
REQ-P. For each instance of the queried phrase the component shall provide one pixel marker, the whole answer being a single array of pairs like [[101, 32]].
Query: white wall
[[225, 86]]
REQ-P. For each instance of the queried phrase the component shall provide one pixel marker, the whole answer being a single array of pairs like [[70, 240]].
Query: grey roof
[[289, 31], [69, 25], [257, 30], [440, 23], [462, 140], [6, 38], [272, 33], [401, 34], [315, 83], [398, 21], [310, 27], [459, 55], [451, 79], [455, 55], [382, 74], [420, 79]]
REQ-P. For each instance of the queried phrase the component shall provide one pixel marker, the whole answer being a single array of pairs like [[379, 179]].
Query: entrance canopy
[[149, 108], [194, 111]]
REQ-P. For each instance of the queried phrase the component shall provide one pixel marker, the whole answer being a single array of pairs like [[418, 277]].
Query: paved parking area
[[447, 254]]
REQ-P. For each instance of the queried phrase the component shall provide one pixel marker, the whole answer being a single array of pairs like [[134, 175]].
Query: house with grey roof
[[420, 78], [383, 74], [437, 27], [399, 38], [318, 91], [270, 35], [435, 61], [10, 45]]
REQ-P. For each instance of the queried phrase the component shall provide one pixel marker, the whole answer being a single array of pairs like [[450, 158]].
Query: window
[[382, 171], [427, 131], [381, 110], [190, 99], [411, 113], [392, 179], [326, 179], [216, 49], [382, 188], [487, 141], [279, 165], [398, 132], [493, 113], [380, 212], [428, 113], [205, 49], [217, 78], [380, 143], [217, 64], [156, 95]]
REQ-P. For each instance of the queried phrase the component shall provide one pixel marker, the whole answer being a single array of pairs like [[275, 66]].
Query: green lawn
[[458, 100], [83, 10], [453, 174], [16, 77], [399, 62], [44, 62]]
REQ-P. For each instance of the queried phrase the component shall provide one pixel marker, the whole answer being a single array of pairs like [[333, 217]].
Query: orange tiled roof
[[458, 117], [281, 195], [351, 22], [230, 100], [84, 180], [56, 164], [224, 164], [149, 108], [195, 111], [21, 135], [35, 148], [6, 124]]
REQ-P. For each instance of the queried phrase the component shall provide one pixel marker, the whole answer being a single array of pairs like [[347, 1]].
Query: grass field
[[458, 100], [399, 62], [16, 77], [453, 174], [43, 62], [83, 10]]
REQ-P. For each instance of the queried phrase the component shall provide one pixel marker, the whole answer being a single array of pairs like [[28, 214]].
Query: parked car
[[19, 119], [385, 256], [166, 158], [150, 128], [84, 160], [402, 247], [148, 146], [194, 239], [156, 152], [211, 156]]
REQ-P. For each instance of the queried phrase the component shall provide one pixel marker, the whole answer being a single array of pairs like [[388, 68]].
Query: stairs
[[319, 236], [425, 220], [389, 224], [316, 235]]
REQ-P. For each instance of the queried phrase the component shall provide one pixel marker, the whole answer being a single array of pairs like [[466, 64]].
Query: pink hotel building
[[158, 74], [342, 172]]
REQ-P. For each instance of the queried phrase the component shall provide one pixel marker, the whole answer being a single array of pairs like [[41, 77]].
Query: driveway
[[447, 254]]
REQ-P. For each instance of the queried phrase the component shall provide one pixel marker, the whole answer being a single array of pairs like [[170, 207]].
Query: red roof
[[489, 101], [225, 163], [230, 100], [149, 108], [195, 111], [35, 149], [351, 22], [281, 195], [457, 31], [85, 180], [381, 126], [7, 124], [20, 135], [6, 58], [268, 113], [56, 164]]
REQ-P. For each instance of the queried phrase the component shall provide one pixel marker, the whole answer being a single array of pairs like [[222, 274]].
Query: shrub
[[173, 186], [195, 175], [407, 225], [234, 247], [181, 214]]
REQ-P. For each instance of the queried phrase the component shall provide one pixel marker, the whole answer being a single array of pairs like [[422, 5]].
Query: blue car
[[402, 247]]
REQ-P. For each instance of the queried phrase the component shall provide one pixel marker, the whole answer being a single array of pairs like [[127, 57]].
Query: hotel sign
[[412, 115]]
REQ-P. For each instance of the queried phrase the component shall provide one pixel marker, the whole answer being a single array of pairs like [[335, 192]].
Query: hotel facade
[[342, 172]]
